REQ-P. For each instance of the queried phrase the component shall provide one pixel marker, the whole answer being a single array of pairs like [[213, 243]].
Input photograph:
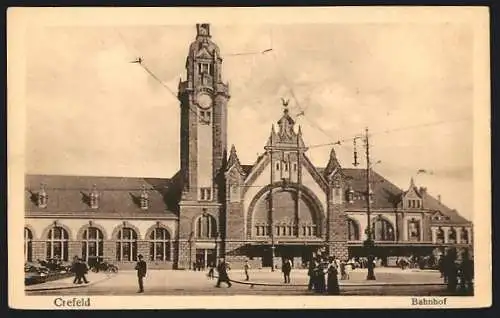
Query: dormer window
[[414, 204], [94, 198], [144, 198], [42, 197]]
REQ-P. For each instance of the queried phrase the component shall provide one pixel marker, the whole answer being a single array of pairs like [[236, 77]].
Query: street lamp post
[[217, 237], [369, 243], [191, 250]]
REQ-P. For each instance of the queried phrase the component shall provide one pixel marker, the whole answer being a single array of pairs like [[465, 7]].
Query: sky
[[91, 112]]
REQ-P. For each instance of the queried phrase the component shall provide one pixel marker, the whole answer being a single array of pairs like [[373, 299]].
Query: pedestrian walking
[[222, 269], [247, 268], [141, 268], [211, 269], [333, 282], [74, 269], [286, 268], [81, 270]]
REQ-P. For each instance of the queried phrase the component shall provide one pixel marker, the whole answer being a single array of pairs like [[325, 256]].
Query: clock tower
[[203, 100]]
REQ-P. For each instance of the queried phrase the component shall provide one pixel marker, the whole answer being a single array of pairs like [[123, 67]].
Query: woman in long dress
[[333, 282]]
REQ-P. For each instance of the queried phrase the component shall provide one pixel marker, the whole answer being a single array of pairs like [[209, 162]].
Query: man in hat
[[141, 272], [222, 269]]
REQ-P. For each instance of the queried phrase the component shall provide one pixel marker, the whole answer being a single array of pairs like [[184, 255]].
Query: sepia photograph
[[157, 153]]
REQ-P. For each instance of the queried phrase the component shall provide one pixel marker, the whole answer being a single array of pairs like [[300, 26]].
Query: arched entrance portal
[[285, 223]]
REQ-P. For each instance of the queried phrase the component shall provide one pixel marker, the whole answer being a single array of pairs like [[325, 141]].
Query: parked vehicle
[[104, 267]]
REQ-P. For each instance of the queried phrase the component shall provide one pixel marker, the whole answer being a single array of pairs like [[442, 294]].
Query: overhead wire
[[156, 78]]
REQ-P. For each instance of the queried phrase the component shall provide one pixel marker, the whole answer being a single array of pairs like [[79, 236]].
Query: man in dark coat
[[80, 270], [74, 269], [310, 272], [222, 269], [141, 268], [286, 269]]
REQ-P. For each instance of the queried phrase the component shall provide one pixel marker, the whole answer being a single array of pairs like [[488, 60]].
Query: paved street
[[389, 282]]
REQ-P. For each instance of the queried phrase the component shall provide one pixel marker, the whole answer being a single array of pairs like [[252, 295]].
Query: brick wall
[[235, 221], [143, 248], [74, 249], [338, 249], [109, 251], [39, 250]]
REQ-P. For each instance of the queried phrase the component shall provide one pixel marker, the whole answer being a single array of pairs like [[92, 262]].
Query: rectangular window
[[277, 166], [205, 117], [294, 167], [205, 194]]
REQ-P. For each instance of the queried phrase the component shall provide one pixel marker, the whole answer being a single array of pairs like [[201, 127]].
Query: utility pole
[[369, 243]]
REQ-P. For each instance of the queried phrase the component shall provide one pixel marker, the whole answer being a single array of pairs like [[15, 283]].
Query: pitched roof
[[385, 193], [118, 196], [433, 204]]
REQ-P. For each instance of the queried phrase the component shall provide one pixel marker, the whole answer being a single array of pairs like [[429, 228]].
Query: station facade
[[281, 206]]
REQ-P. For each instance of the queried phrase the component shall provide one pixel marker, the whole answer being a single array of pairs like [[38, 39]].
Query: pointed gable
[[332, 166], [233, 163], [286, 137]]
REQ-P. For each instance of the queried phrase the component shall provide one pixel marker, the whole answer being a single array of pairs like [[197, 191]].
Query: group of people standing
[[457, 273], [79, 268], [323, 275]]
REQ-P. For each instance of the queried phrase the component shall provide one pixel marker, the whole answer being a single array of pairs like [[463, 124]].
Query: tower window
[[294, 167], [277, 166], [205, 117], [205, 68], [205, 194]]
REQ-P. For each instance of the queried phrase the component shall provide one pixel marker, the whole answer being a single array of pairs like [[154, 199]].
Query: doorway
[[205, 257]]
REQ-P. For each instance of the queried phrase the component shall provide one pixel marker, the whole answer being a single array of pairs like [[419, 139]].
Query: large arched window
[[382, 230], [92, 244], [28, 251], [159, 246], [126, 245], [57, 243], [352, 230], [206, 227]]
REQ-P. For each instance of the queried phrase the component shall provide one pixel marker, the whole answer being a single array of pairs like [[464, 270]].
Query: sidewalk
[[67, 283]]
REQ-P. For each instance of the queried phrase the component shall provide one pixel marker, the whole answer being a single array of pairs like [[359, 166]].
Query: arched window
[[382, 230], [57, 243], [352, 230], [159, 246], [92, 244], [28, 251], [126, 245], [206, 227]]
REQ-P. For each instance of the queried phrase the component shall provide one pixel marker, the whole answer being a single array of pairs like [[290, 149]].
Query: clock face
[[204, 100]]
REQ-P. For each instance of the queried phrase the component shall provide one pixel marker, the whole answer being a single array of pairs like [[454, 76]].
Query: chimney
[[439, 198]]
